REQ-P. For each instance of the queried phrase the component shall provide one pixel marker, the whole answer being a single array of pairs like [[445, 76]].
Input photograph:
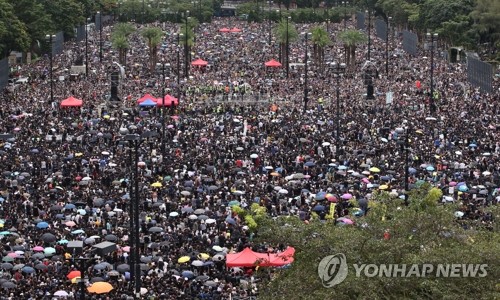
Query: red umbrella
[[273, 64], [73, 274], [71, 102], [235, 29], [199, 63], [224, 29]]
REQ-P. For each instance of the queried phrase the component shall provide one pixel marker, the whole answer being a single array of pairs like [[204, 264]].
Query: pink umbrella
[[70, 224], [38, 248], [12, 254], [365, 180], [331, 198], [126, 248], [347, 196], [452, 183], [170, 126], [345, 220]]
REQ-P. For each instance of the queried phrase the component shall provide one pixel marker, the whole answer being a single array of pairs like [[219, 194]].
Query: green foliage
[[153, 37], [13, 32], [415, 236], [239, 211], [351, 39], [119, 39], [281, 32]]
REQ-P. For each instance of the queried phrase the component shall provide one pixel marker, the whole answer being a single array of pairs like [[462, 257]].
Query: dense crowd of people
[[67, 173]]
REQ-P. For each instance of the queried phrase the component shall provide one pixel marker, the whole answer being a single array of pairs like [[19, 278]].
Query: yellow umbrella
[[184, 259], [275, 174], [76, 279], [383, 187], [1, 225], [156, 184], [100, 288], [106, 117], [78, 154], [374, 169], [203, 256]]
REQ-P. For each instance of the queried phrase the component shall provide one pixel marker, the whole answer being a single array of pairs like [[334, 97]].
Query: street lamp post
[[338, 70], [345, 13], [82, 264], [143, 12], [186, 74], [135, 141], [405, 147], [287, 50], [369, 32], [306, 88], [100, 36], [86, 47], [432, 38], [179, 35], [387, 46], [50, 38], [164, 65]]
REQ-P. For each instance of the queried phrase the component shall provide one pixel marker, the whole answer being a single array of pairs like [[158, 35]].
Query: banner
[[410, 41], [389, 97], [381, 29], [4, 72], [332, 210], [360, 20], [479, 74]]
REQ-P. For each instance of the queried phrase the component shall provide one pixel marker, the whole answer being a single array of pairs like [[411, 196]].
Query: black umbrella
[[146, 259], [6, 266], [48, 237], [123, 268], [97, 279], [111, 238], [56, 207], [155, 229], [9, 285], [41, 267]]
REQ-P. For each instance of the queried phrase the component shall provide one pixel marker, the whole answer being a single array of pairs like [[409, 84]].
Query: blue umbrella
[[472, 145], [42, 225], [78, 231], [320, 196], [279, 170], [342, 167], [2, 199], [386, 178], [234, 203], [187, 274], [463, 188], [69, 206], [34, 150], [231, 221], [430, 168], [28, 270], [63, 242], [412, 170], [319, 208], [309, 164]]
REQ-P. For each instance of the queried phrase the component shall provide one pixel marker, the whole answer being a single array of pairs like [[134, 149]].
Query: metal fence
[[480, 74], [381, 29], [4, 72], [360, 20], [410, 41]]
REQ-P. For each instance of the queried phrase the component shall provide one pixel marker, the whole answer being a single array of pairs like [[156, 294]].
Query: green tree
[[390, 233], [320, 40], [119, 39], [281, 31], [13, 32], [65, 15], [351, 40], [486, 16], [153, 37]]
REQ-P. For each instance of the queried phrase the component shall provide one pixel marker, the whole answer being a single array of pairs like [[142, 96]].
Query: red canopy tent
[[283, 258], [224, 29], [247, 258], [273, 63], [235, 29], [146, 97], [71, 102], [199, 63], [169, 101]]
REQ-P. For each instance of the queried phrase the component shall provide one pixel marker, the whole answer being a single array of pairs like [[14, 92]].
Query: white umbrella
[[486, 173], [430, 119], [325, 144], [61, 294], [210, 221], [254, 155], [197, 263], [86, 178], [173, 214], [283, 191], [193, 217]]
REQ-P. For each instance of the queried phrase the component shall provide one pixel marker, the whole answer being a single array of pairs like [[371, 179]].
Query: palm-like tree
[[320, 40], [188, 36], [153, 38], [351, 39], [280, 32], [119, 40]]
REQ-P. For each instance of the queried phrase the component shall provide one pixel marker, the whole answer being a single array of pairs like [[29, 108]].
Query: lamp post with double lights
[[186, 71], [387, 46], [338, 70], [135, 141], [287, 50], [432, 37], [306, 87], [87, 20], [50, 39]]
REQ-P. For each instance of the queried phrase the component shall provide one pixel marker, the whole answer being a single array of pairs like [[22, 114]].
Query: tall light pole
[[338, 70], [87, 20], [186, 71], [164, 65], [179, 35], [287, 50], [432, 38], [369, 32], [100, 35], [387, 46], [50, 39], [345, 13], [306, 88], [143, 11], [405, 147], [135, 141]]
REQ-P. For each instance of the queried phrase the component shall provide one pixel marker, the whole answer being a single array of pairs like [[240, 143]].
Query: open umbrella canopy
[[146, 97], [100, 288], [73, 274], [183, 259], [272, 63], [148, 102]]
